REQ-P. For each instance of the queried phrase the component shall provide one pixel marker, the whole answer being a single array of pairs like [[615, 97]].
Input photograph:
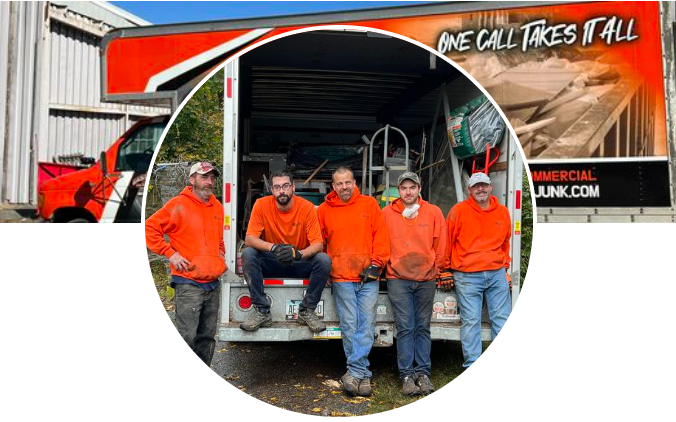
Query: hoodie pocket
[[348, 266], [206, 267]]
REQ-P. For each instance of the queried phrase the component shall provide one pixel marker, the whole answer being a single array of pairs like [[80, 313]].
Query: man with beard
[[477, 252], [193, 222], [359, 246], [284, 241], [417, 242]]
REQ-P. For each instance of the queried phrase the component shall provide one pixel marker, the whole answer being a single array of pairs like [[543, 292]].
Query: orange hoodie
[[195, 230], [417, 245], [297, 226], [478, 240], [355, 235]]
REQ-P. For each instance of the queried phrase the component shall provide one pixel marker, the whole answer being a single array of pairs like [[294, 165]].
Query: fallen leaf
[[335, 413], [331, 383], [317, 409], [221, 351], [356, 400]]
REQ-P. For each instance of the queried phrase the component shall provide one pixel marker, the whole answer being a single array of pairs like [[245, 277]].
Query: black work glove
[[370, 273], [286, 254], [445, 281], [297, 254]]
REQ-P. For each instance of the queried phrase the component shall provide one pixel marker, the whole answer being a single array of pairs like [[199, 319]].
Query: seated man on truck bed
[[284, 240]]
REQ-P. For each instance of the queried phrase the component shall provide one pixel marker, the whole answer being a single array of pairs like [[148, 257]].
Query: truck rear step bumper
[[451, 331], [294, 332]]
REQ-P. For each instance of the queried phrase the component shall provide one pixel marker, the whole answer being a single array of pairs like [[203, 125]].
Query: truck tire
[[78, 220]]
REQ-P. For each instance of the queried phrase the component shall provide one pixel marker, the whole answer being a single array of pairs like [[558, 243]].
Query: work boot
[[409, 388], [365, 389], [350, 384], [423, 382], [309, 317], [256, 320]]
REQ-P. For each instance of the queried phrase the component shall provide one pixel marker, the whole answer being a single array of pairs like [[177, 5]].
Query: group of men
[[347, 243]]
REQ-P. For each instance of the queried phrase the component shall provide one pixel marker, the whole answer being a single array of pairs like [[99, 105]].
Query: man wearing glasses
[[283, 240]]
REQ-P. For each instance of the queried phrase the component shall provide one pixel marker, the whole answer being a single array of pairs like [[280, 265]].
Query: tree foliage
[[526, 226], [197, 132]]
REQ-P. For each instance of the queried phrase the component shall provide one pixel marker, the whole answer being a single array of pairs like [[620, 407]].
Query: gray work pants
[[197, 318]]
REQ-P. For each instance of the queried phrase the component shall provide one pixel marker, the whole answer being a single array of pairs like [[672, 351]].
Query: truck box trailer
[[589, 86], [346, 96]]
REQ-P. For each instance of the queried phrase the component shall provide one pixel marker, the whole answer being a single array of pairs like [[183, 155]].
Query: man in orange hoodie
[[193, 221], [283, 240], [417, 243], [359, 246], [479, 230]]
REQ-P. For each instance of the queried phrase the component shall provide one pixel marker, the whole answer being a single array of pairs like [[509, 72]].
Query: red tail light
[[245, 302]]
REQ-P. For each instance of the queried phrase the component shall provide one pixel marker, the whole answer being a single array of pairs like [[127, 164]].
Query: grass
[[387, 395], [161, 276]]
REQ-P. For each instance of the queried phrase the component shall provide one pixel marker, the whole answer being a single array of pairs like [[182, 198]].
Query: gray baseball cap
[[409, 175], [478, 178]]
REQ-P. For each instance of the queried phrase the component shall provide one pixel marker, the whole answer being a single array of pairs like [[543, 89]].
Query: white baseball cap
[[478, 178], [203, 167]]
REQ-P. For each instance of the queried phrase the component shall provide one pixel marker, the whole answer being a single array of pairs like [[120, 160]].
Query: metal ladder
[[385, 168]]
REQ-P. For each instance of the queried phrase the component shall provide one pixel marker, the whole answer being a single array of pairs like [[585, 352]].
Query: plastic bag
[[474, 126]]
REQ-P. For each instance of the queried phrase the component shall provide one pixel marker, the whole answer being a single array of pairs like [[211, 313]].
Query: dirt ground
[[303, 376]]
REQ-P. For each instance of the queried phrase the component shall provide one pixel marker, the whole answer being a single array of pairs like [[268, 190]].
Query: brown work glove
[[445, 281]]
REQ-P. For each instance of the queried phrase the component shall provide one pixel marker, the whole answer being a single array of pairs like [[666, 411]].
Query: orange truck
[[112, 189]]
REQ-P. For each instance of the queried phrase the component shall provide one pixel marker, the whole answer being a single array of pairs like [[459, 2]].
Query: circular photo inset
[[339, 221]]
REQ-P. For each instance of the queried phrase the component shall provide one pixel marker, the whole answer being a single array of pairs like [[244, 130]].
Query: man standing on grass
[[284, 240], [477, 252], [359, 246], [193, 222], [417, 242]]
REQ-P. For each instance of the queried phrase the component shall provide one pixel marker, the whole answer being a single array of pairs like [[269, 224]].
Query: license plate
[[329, 333], [292, 309]]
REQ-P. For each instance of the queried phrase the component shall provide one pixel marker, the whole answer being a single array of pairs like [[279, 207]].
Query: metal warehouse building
[[50, 96]]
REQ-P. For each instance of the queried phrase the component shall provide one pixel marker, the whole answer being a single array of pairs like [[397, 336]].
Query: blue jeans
[[471, 289], [412, 306], [258, 265], [356, 305]]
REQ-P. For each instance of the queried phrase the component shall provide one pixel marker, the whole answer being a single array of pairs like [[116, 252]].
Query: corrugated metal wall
[[4, 52], [21, 24], [72, 133], [79, 123], [56, 111]]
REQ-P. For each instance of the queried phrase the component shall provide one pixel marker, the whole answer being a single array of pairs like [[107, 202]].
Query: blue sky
[[162, 12]]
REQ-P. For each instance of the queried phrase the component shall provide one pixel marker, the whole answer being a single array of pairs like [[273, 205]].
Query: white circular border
[[480, 373]]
